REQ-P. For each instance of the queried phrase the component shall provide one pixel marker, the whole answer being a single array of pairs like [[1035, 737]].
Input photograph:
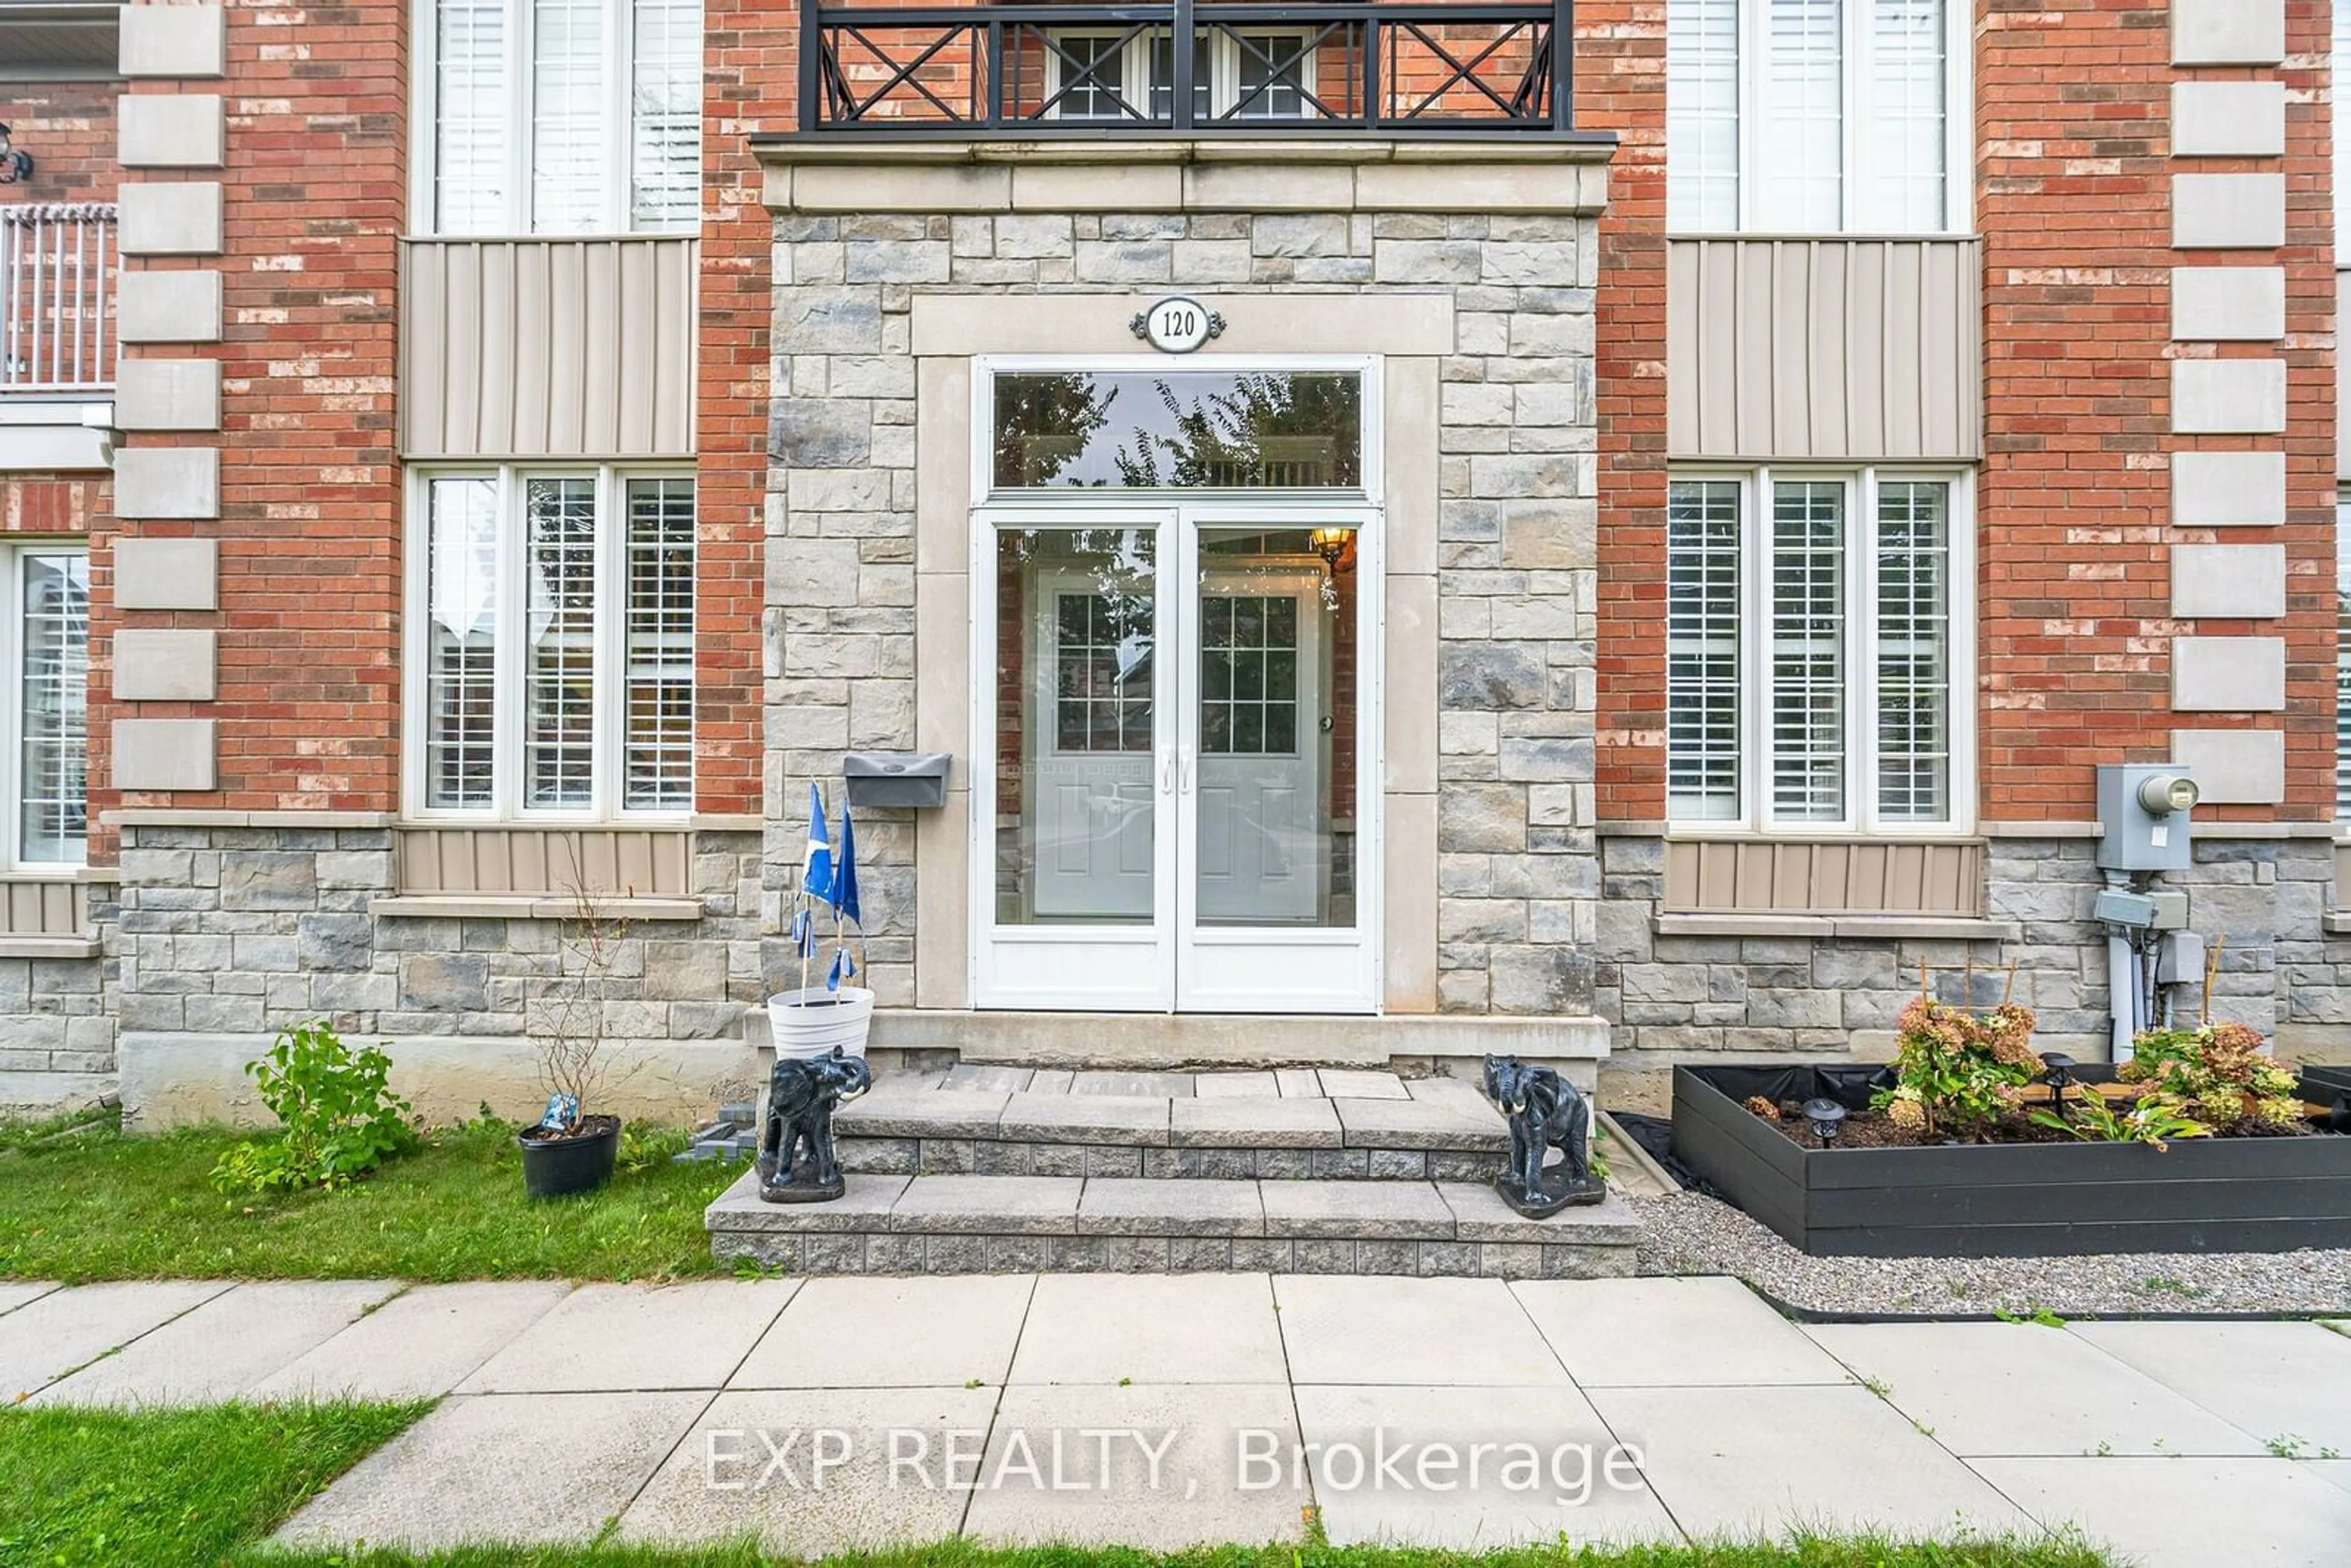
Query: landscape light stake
[[1826, 1115]]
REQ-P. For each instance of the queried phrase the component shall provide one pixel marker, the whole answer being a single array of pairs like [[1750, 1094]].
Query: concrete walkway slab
[[2186, 1512], [1356, 1084], [1475, 1470], [2337, 1473], [811, 1472], [2281, 1380], [13, 1296], [1196, 1430], [1171, 1329], [1139, 1206], [1252, 1123], [1011, 1206], [521, 1467], [615, 1337], [224, 1347], [1749, 1461], [1414, 1332], [45, 1339], [1669, 1334], [911, 1332], [418, 1345], [2022, 1389]]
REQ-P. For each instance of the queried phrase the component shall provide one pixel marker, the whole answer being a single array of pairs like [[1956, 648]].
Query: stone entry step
[[1288, 1124], [1003, 1224]]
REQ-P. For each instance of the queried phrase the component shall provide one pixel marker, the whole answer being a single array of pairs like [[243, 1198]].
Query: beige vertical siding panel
[[1831, 349], [1794, 876], [2342, 383], [577, 348]]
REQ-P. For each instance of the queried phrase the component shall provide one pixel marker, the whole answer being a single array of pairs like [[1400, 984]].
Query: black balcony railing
[[1350, 67]]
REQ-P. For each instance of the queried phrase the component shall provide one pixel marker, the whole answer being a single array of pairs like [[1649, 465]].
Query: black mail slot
[[917, 778]]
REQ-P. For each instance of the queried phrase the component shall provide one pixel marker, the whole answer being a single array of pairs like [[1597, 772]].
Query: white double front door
[[1176, 724]]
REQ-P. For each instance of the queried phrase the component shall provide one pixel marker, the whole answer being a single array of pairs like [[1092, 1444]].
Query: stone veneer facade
[[1509, 572]]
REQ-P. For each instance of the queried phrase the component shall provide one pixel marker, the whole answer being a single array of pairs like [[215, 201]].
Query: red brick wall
[[2073, 109], [53, 503], [310, 507], [747, 66], [1620, 86], [68, 127]]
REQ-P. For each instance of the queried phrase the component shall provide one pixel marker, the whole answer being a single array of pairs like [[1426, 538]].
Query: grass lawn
[[192, 1488], [98, 1205]]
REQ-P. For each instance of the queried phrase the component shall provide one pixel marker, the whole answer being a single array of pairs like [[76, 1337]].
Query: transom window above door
[[1177, 430]]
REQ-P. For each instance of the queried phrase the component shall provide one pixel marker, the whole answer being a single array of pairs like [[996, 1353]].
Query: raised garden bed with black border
[[2005, 1200]]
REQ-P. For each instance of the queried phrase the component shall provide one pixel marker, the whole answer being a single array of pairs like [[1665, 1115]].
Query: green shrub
[[340, 1120]]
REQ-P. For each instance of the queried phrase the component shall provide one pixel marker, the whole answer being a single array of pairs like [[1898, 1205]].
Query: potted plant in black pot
[[572, 1147]]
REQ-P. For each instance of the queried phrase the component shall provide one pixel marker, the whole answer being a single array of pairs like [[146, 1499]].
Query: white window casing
[[550, 657], [1819, 657], [1815, 117], [45, 750], [2343, 657], [557, 117], [2342, 59]]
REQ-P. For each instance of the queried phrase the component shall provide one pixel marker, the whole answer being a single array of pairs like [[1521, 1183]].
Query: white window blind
[[558, 667], [665, 107], [1702, 115], [1914, 653], [1807, 652], [2341, 63], [52, 716], [1702, 532], [559, 116], [470, 190], [1809, 116], [1814, 666]]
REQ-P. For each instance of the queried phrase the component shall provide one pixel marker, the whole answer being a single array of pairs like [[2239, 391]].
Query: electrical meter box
[[2142, 817]]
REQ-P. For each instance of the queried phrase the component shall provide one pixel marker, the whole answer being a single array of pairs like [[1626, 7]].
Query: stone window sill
[[530, 906], [1864, 927], [48, 947], [2338, 923]]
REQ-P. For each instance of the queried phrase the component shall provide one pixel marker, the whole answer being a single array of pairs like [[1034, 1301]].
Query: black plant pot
[[555, 1167]]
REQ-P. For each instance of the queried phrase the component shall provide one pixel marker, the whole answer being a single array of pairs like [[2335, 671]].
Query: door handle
[[1166, 770], [1184, 770]]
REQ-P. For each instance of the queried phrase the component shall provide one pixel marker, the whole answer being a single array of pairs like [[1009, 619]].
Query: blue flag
[[844, 875], [816, 873]]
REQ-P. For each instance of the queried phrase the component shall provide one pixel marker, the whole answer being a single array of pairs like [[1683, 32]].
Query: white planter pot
[[809, 1023]]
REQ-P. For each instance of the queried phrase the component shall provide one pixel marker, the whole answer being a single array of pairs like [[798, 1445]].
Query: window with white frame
[[1242, 73], [563, 117], [1815, 650], [45, 772], [553, 660], [1813, 116], [2342, 62]]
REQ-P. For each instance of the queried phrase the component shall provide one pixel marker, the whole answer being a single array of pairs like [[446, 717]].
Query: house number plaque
[[1177, 325]]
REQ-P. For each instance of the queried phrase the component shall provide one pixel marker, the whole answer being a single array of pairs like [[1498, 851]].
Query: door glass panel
[[1183, 429], [1075, 758], [1276, 789]]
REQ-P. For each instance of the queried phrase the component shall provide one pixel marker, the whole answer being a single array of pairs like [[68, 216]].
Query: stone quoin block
[[166, 574], [183, 41], [180, 219], [2228, 397], [2228, 212], [2228, 674], [167, 481], [2228, 582], [167, 394], [2228, 120], [165, 754], [171, 130], [166, 665], [2228, 489], [168, 307], [2233, 767], [2227, 32], [2228, 304]]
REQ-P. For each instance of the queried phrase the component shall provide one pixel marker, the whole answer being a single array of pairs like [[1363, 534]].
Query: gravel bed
[[1690, 1234]]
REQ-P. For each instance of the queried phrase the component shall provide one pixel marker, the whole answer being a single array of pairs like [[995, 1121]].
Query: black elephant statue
[[1545, 1112], [797, 1163]]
